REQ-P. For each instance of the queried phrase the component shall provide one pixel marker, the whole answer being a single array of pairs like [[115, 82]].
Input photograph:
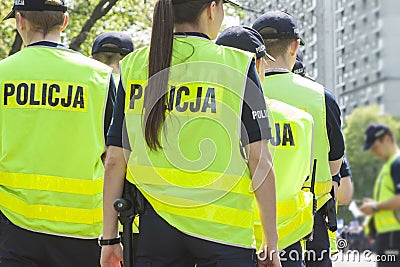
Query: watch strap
[[107, 242]]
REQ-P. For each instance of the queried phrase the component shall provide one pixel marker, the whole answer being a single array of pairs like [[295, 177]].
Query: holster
[[129, 206]]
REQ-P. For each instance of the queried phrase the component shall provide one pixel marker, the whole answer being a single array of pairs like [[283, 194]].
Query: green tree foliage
[[7, 29], [131, 16], [364, 166]]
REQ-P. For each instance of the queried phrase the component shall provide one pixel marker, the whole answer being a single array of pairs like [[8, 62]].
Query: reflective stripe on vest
[[51, 173], [293, 229], [332, 238], [291, 148], [308, 96], [199, 182], [386, 220], [333, 242]]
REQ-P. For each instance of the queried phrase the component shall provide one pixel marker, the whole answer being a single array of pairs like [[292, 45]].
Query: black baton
[[125, 207]]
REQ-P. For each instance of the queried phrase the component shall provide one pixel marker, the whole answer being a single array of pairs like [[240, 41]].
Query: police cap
[[35, 5], [121, 40], [244, 38], [284, 23]]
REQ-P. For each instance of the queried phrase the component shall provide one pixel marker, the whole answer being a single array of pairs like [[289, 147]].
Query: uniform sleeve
[[344, 171], [395, 173], [334, 127], [345, 168], [117, 134], [255, 123], [109, 106]]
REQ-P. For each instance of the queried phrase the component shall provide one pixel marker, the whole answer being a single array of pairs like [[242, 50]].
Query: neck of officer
[[115, 67], [394, 149], [34, 37], [281, 64], [188, 27]]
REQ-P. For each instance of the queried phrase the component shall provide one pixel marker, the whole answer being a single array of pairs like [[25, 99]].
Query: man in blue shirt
[[385, 207]]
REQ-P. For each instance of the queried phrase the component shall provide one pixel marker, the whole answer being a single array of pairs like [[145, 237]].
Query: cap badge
[[260, 48]]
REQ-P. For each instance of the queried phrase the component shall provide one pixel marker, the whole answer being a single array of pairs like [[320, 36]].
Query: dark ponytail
[[159, 61], [164, 17]]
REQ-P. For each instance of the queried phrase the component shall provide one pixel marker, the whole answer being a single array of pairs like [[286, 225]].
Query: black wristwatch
[[107, 242]]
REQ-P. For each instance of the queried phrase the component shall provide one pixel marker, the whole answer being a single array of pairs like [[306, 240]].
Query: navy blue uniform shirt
[[333, 127], [252, 130], [344, 171], [345, 168], [395, 173]]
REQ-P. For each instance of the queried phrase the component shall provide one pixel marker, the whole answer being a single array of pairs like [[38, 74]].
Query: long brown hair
[[166, 13]]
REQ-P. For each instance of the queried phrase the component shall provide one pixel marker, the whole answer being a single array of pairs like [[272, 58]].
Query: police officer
[[110, 48], [299, 66], [281, 36], [291, 147], [51, 145], [384, 208], [346, 188], [182, 127]]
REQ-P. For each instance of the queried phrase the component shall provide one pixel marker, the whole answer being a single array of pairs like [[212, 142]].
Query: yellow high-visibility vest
[[291, 148], [309, 96], [386, 220], [51, 142], [199, 183]]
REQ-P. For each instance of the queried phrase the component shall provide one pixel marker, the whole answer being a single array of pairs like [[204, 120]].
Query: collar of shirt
[[274, 73], [193, 34], [48, 44]]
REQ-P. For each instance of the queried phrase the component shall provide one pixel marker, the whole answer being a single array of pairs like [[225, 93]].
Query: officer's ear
[[259, 64], [388, 138], [211, 9], [260, 68], [294, 47], [65, 23], [20, 21]]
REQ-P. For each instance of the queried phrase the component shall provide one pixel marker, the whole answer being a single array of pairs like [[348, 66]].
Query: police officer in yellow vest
[[346, 188], [281, 36], [291, 148], [184, 126], [51, 113], [110, 48], [384, 208]]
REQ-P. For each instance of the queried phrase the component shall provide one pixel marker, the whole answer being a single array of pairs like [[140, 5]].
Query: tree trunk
[[99, 11], [17, 45]]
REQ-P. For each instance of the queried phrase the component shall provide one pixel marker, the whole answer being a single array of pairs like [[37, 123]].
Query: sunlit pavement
[[351, 264], [341, 260]]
